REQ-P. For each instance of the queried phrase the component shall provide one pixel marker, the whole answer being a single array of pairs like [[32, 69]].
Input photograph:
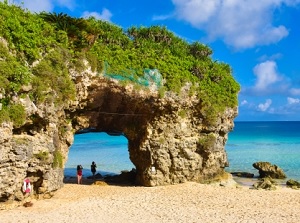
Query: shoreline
[[246, 182]]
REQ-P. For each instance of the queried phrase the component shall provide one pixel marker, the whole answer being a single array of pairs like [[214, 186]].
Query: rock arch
[[169, 140]]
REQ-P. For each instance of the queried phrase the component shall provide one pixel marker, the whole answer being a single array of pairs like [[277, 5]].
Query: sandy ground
[[188, 202]]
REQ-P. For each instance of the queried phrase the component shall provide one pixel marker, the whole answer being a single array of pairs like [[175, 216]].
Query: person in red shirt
[[79, 174]]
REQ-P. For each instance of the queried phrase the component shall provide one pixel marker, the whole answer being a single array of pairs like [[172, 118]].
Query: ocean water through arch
[[110, 153]]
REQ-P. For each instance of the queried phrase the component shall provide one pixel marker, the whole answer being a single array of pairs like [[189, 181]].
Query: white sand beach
[[188, 202]]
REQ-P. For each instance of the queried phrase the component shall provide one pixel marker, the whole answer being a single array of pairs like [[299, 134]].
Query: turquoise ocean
[[249, 142]]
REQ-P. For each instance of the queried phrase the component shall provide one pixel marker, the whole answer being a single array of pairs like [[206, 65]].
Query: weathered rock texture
[[293, 184], [265, 183], [169, 139], [267, 169]]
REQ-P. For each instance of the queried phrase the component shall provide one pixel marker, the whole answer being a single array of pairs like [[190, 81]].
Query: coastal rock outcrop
[[293, 184], [266, 183], [169, 140], [243, 174], [267, 169]]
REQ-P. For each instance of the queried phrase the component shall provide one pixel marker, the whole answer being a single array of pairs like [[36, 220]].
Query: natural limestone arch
[[169, 141]]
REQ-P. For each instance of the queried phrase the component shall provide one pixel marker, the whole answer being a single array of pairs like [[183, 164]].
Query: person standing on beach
[[27, 190], [93, 168], [79, 174]]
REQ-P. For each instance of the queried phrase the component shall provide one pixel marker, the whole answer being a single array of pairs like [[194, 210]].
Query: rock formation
[[266, 169], [293, 184], [169, 140], [265, 183]]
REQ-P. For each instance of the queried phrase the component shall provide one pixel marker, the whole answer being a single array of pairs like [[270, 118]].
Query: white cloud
[[272, 57], [295, 91], [104, 15], [196, 11], [70, 4], [241, 24], [293, 100], [265, 106], [266, 74], [161, 17], [36, 5], [44, 5], [244, 102]]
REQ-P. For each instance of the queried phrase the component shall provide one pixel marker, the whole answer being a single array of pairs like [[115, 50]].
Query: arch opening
[[109, 150]]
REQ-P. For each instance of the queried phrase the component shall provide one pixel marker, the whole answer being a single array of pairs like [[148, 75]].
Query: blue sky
[[259, 39]]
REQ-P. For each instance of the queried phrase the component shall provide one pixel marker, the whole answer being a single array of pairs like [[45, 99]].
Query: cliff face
[[169, 140]]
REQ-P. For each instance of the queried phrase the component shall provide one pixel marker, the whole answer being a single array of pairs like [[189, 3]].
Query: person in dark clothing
[[93, 168]]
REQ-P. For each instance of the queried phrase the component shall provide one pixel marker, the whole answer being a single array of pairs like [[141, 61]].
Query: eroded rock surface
[[169, 140], [266, 169]]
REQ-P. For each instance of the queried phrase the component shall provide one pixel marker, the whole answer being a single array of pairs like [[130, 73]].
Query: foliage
[[182, 113], [24, 38], [57, 159], [161, 92], [17, 114], [217, 91], [93, 61], [4, 115], [21, 141], [12, 73], [80, 32], [52, 82], [41, 48], [207, 141], [178, 61], [25, 32], [42, 155], [14, 113]]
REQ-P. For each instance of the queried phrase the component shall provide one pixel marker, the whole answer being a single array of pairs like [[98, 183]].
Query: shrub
[[207, 141], [12, 73], [17, 114], [25, 32], [52, 81], [57, 159], [14, 113], [161, 92], [182, 113], [42, 155], [4, 115], [93, 61]]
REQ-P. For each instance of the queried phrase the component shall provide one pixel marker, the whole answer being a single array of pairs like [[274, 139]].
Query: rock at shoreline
[[266, 169], [293, 184], [243, 174], [266, 183], [97, 176]]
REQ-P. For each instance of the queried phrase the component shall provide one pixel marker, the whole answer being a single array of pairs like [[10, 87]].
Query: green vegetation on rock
[[39, 49], [57, 159], [208, 140], [42, 155]]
